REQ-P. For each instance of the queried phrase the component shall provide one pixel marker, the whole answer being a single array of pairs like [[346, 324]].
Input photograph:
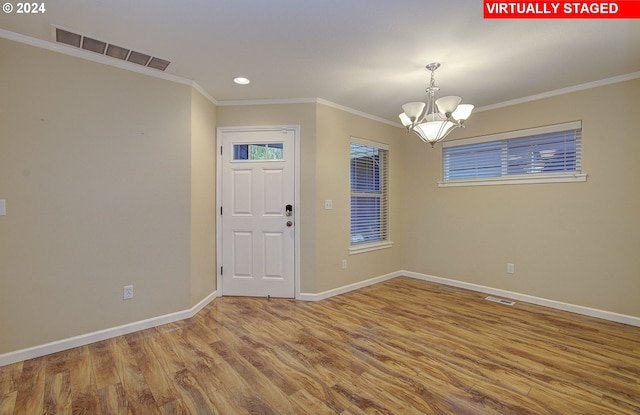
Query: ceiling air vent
[[117, 52], [68, 38], [139, 58], [93, 45], [157, 63], [107, 49]]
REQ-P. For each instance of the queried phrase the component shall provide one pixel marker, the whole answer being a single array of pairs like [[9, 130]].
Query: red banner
[[626, 9]]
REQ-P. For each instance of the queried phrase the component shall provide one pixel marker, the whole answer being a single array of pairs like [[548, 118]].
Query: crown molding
[[275, 101], [307, 101], [94, 57], [204, 93], [360, 113], [80, 53], [561, 91]]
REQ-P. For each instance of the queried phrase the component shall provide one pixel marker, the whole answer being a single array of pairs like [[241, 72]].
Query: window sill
[[359, 249], [568, 178]]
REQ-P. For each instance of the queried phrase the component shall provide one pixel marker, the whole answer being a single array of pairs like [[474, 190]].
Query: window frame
[[238, 153], [530, 178], [360, 247]]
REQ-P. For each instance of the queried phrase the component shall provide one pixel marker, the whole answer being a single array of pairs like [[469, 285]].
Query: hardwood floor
[[400, 347]]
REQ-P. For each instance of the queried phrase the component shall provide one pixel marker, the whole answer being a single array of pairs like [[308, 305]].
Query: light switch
[[328, 204], [3, 207]]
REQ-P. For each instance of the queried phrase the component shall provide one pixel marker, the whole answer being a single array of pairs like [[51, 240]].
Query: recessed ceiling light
[[241, 80]]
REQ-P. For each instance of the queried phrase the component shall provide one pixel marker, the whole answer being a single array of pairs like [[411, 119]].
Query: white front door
[[258, 212]]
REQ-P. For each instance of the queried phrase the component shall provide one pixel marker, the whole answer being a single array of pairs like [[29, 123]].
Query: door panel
[[242, 192], [273, 249], [242, 248], [273, 183], [257, 242]]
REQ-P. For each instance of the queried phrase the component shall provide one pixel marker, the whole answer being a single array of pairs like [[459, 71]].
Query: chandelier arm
[[429, 108]]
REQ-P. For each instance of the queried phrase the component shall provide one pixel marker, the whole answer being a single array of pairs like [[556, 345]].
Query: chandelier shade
[[405, 120], [434, 120], [462, 112], [433, 127], [413, 110], [448, 104]]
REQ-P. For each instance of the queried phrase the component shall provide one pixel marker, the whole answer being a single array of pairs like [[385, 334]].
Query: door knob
[[289, 224]]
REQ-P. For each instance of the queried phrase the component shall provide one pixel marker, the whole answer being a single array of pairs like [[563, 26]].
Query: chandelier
[[440, 117]]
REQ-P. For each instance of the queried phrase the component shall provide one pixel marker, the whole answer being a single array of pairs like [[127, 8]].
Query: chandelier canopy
[[433, 121]]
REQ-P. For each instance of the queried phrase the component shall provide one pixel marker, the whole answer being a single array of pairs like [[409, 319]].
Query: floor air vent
[[107, 49], [500, 300]]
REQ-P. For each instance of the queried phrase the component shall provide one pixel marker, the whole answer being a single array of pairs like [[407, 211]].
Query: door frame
[[219, 202]]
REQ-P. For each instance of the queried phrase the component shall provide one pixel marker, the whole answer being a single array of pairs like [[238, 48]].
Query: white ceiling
[[368, 55]]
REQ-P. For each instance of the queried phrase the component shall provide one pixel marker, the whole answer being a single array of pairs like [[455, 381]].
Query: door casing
[[219, 202]]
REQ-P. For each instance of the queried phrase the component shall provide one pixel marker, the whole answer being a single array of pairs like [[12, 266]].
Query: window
[[270, 151], [369, 195], [537, 155]]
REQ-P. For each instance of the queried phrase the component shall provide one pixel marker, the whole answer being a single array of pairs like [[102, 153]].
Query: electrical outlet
[[511, 269], [344, 264], [127, 292]]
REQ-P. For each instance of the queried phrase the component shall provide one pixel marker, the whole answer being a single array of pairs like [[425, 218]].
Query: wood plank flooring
[[400, 347]]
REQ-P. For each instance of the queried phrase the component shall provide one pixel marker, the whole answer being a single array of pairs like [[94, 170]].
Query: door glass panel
[[247, 152]]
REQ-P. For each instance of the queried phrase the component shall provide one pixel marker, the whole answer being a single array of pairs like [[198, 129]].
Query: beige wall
[[109, 178], [95, 169], [571, 242], [203, 197], [324, 147], [334, 131]]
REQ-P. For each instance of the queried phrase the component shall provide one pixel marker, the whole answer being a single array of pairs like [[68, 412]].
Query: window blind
[[369, 200], [550, 150]]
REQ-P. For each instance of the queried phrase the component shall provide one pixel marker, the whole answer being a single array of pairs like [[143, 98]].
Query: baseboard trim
[[559, 305], [65, 344], [345, 289], [84, 339]]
